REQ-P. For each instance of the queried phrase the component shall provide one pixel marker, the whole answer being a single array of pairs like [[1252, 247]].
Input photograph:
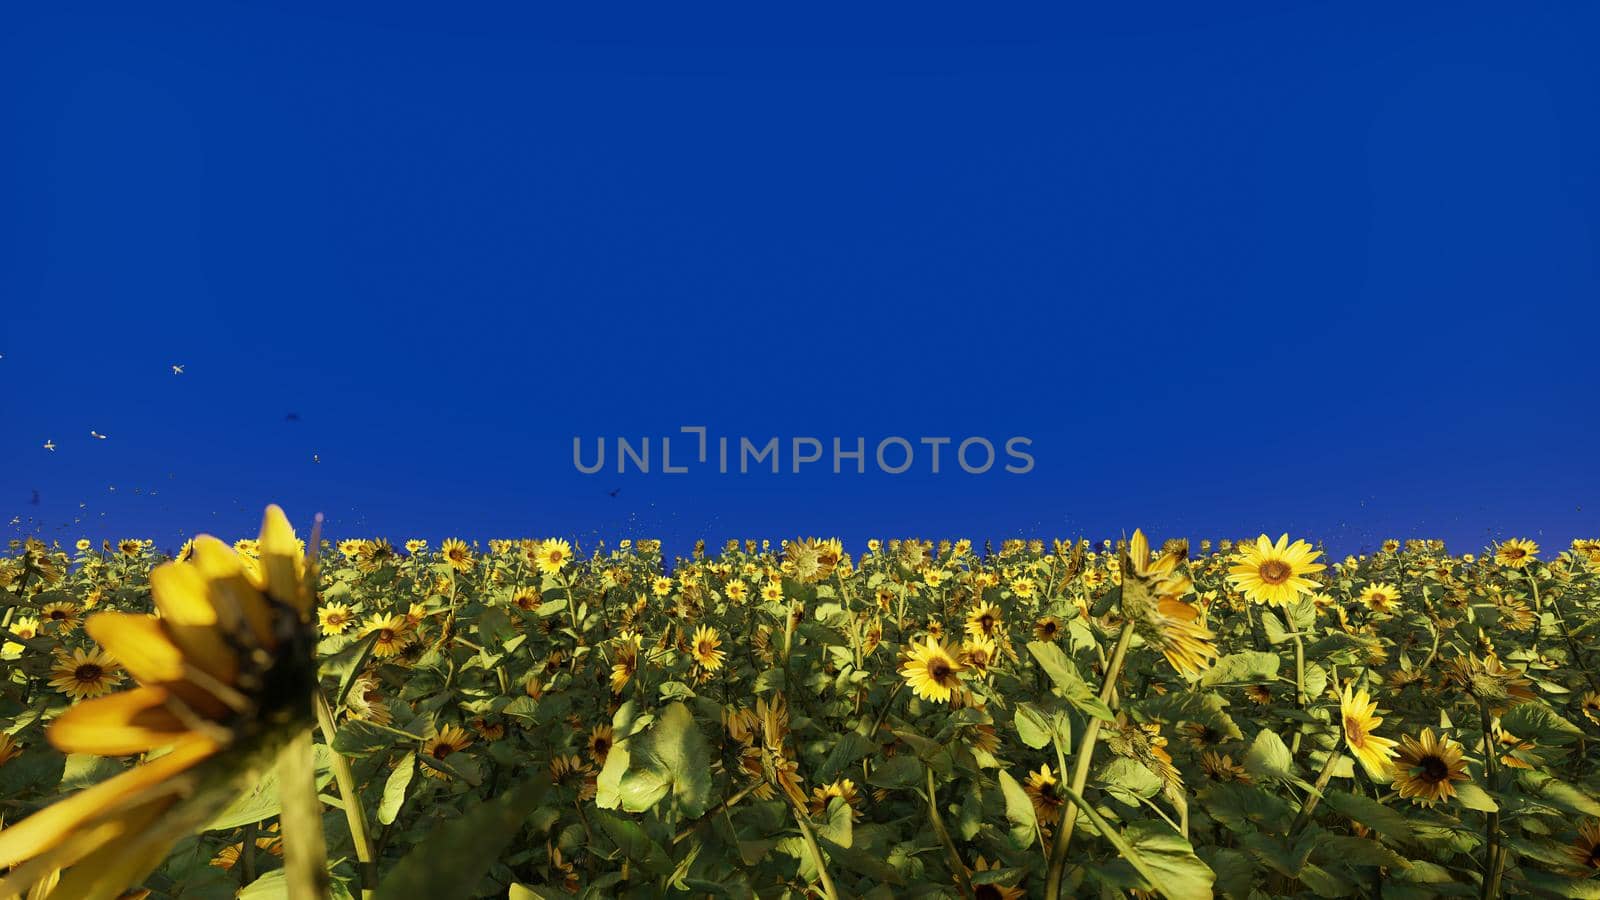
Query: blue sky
[[1296, 267]]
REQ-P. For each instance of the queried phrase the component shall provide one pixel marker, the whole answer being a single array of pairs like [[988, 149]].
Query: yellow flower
[[1047, 629], [391, 631], [553, 555], [1274, 573], [1152, 600], [1585, 851], [1426, 766], [335, 618], [457, 554], [226, 667], [59, 617], [978, 652], [1041, 790], [81, 675], [984, 621], [1380, 597], [844, 789], [1516, 553], [931, 672], [704, 649], [449, 739], [1357, 710], [9, 748]]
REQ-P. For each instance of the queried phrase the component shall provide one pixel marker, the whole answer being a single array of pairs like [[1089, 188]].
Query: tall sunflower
[[225, 679], [1427, 765], [931, 671], [1357, 711], [1152, 601], [704, 649], [1267, 572], [85, 674], [1516, 553]]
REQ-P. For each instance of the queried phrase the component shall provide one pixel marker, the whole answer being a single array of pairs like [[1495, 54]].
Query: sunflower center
[[1434, 769], [939, 669], [1516, 553], [443, 750], [1275, 571], [58, 614], [601, 745], [88, 672], [1354, 733], [987, 891]]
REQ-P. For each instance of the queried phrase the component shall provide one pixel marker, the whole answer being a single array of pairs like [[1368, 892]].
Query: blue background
[[1296, 267]]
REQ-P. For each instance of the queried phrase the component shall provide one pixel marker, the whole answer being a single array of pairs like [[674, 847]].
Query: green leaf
[[452, 860], [1538, 721], [1471, 796], [1128, 781], [358, 737], [261, 800], [394, 789], [1389, 822], [1248, 667], [1558, 793], [1068, 683], [837, 826], [636, 846], [1269, 759], [672, 758], [1032, 726], [1019, 811], [850, 747]]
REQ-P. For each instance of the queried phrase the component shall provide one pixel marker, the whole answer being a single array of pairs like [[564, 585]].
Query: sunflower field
[[282, 718]]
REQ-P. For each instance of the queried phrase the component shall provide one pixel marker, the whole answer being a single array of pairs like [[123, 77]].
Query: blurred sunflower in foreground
[[225, 678]]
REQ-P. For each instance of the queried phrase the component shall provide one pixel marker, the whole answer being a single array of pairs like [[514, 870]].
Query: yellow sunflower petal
[[181, 594], [50, 826], [117, 724], [232, 594], [281, 559], [139, 643]]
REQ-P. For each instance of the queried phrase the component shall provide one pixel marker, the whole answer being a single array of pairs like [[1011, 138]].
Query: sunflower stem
[[816, 851], [1080, 773], [1493, 857], [355, 816], [1323, 777], [958, 869]]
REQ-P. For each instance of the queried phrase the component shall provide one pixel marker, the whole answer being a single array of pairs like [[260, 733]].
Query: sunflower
[[553, 555], [704, 649], [568, 769], [1047, 629], [772, 591], [984, 621], [391, 632], [1591, 707], [446, 741], [1041, 790], [1375, 753], [1152, 600], [457, 554], [82, 675], [932, 672], [59, 617], [600, 744], [374, 555], [9, 748], [736, 590], [845, 789], [978, 652], [1274, 573], [24, 627], [991, 890], [225, 674], [1426, 765], [335, 618], [1585, 851], [1516, 553], [626, 662], [1380, 597], [1221, 767]]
